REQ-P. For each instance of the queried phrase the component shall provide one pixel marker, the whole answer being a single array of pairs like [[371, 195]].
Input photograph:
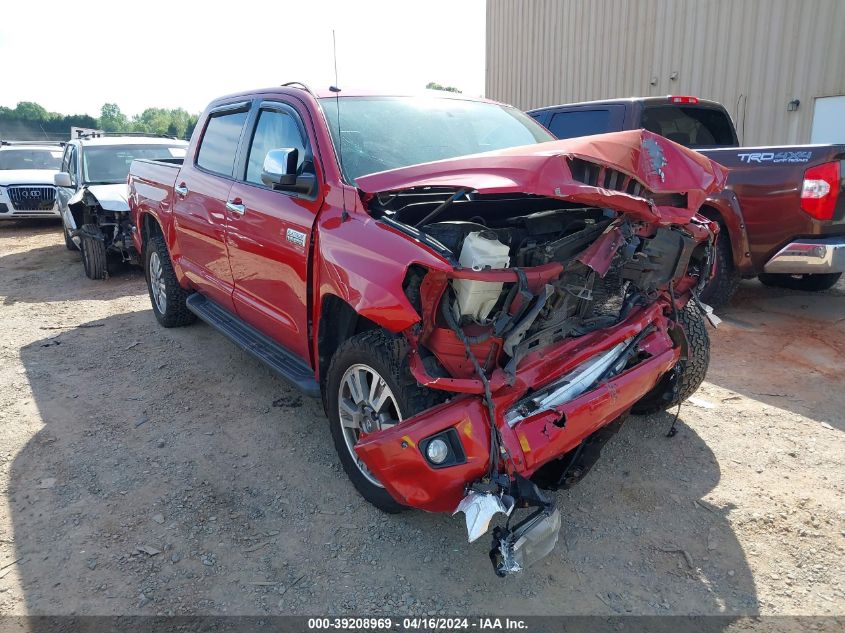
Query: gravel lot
[[152, 471]]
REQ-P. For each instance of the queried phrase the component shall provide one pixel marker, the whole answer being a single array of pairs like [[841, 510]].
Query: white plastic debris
[[479, 509]]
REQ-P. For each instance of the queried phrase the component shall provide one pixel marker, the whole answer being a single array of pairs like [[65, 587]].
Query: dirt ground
[[153, 471]]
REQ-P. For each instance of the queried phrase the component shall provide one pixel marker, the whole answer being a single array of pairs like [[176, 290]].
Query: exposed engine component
[[476, 299]]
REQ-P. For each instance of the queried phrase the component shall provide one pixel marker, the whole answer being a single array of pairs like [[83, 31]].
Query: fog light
[[437, 451]]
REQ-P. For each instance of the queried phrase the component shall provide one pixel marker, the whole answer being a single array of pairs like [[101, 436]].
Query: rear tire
[[692, 370], [93, 252], [166, 295], [719, 290], [807, 283], [366, 356]]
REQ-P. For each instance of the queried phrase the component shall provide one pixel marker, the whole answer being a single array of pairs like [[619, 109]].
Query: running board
[[281, 361]]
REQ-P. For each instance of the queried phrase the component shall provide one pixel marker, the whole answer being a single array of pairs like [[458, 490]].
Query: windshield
[[31, 159], [696, 127], [381, 133], [110, 164]]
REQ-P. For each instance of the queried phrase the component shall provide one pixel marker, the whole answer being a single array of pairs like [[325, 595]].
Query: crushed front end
[[556, 314]]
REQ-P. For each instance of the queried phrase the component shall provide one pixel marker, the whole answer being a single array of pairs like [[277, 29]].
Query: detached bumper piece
[[809, 257], [515, 548], [529, 541]]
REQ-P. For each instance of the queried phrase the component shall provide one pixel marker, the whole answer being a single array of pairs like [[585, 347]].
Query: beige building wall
[[754, 56]]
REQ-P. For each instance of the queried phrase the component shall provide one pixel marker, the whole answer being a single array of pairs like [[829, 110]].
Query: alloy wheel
[[157, 285], [366, 404]]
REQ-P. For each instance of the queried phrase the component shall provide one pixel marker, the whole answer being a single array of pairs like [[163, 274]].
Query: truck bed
[[767, 181], [152, 182]]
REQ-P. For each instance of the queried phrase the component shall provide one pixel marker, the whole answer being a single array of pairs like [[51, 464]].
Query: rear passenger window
[[220, 142], [275, 130], [580, 123]]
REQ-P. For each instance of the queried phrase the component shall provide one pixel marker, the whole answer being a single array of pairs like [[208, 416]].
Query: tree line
[[29, 121]]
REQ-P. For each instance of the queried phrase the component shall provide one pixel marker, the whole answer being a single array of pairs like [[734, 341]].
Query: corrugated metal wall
[[752, 55]]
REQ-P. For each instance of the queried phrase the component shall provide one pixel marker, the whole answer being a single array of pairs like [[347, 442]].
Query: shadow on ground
[[177, 476], [23, 276]]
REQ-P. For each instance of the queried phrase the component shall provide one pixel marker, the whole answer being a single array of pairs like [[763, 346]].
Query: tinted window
[[275, 130], [71, 164], [580, 123], [691, 126], [220, 142], [30, 158]]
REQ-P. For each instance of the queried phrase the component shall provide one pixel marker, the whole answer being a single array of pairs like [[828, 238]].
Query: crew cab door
[[70, 165], [200, 195], [269, 231]]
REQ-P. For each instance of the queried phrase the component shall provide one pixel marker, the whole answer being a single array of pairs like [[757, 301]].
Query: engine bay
[[599, 265]]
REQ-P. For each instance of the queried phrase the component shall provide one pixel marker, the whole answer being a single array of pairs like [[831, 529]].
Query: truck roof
[[128, 140], [322, 93], [654, 100], [7, 145]]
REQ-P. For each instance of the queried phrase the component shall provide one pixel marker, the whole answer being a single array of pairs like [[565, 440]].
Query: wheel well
[[338, 322], [149, 228], [77, 211], [712, 214]]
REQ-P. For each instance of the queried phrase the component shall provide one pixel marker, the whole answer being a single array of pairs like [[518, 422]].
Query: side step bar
[[281, 361]]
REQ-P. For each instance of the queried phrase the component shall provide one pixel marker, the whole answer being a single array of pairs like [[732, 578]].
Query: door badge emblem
[[297, 238]]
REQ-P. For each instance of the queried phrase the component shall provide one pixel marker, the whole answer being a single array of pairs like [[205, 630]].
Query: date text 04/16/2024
[[418, 624]]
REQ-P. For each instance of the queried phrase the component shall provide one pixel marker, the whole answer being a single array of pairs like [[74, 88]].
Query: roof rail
[[101, 134], [298, 84], [59, 143]]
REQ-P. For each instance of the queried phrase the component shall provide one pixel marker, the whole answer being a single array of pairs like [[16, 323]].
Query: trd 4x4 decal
[[775, 157]]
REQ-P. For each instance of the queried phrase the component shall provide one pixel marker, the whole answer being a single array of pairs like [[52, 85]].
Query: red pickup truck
[[782, 209], [476, 317]]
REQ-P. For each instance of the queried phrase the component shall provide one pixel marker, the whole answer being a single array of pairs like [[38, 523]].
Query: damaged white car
[[91, 194]]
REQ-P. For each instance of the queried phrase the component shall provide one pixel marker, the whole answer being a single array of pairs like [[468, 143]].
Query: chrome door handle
[[236, 208], [181, 190]]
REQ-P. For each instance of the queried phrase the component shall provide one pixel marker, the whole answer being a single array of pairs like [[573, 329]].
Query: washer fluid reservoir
[[476, 299]]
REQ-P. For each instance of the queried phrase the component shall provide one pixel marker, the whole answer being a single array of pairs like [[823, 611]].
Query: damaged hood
[[110, 197], [26, 177], [658, 164]]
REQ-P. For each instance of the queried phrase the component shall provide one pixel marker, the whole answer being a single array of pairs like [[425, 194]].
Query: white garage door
[[829, 120]]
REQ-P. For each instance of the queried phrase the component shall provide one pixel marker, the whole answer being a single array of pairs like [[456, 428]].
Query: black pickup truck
[[782, 210]]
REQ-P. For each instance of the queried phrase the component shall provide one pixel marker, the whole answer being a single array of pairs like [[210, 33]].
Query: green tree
[[433, 85], [173, 122], [31, 111], [112, 119]]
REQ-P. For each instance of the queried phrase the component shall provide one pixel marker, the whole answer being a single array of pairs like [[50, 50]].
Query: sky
[[183, 53]]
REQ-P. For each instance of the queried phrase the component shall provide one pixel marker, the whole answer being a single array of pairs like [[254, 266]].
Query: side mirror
[[279, 169], [280, 172], [62, 179]]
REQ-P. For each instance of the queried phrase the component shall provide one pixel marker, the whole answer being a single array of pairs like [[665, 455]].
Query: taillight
[[820, 190], [675, 99]]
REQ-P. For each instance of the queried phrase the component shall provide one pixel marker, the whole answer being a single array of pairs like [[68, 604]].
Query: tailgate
[[768, 182]]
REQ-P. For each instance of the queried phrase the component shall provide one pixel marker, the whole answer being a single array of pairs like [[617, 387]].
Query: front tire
[[369, 387], [689, 373], [166, 295], [93, 249], [807, 283], [69, 243]]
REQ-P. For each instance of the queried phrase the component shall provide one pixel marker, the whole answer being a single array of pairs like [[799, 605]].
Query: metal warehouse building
[[778, 66]]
